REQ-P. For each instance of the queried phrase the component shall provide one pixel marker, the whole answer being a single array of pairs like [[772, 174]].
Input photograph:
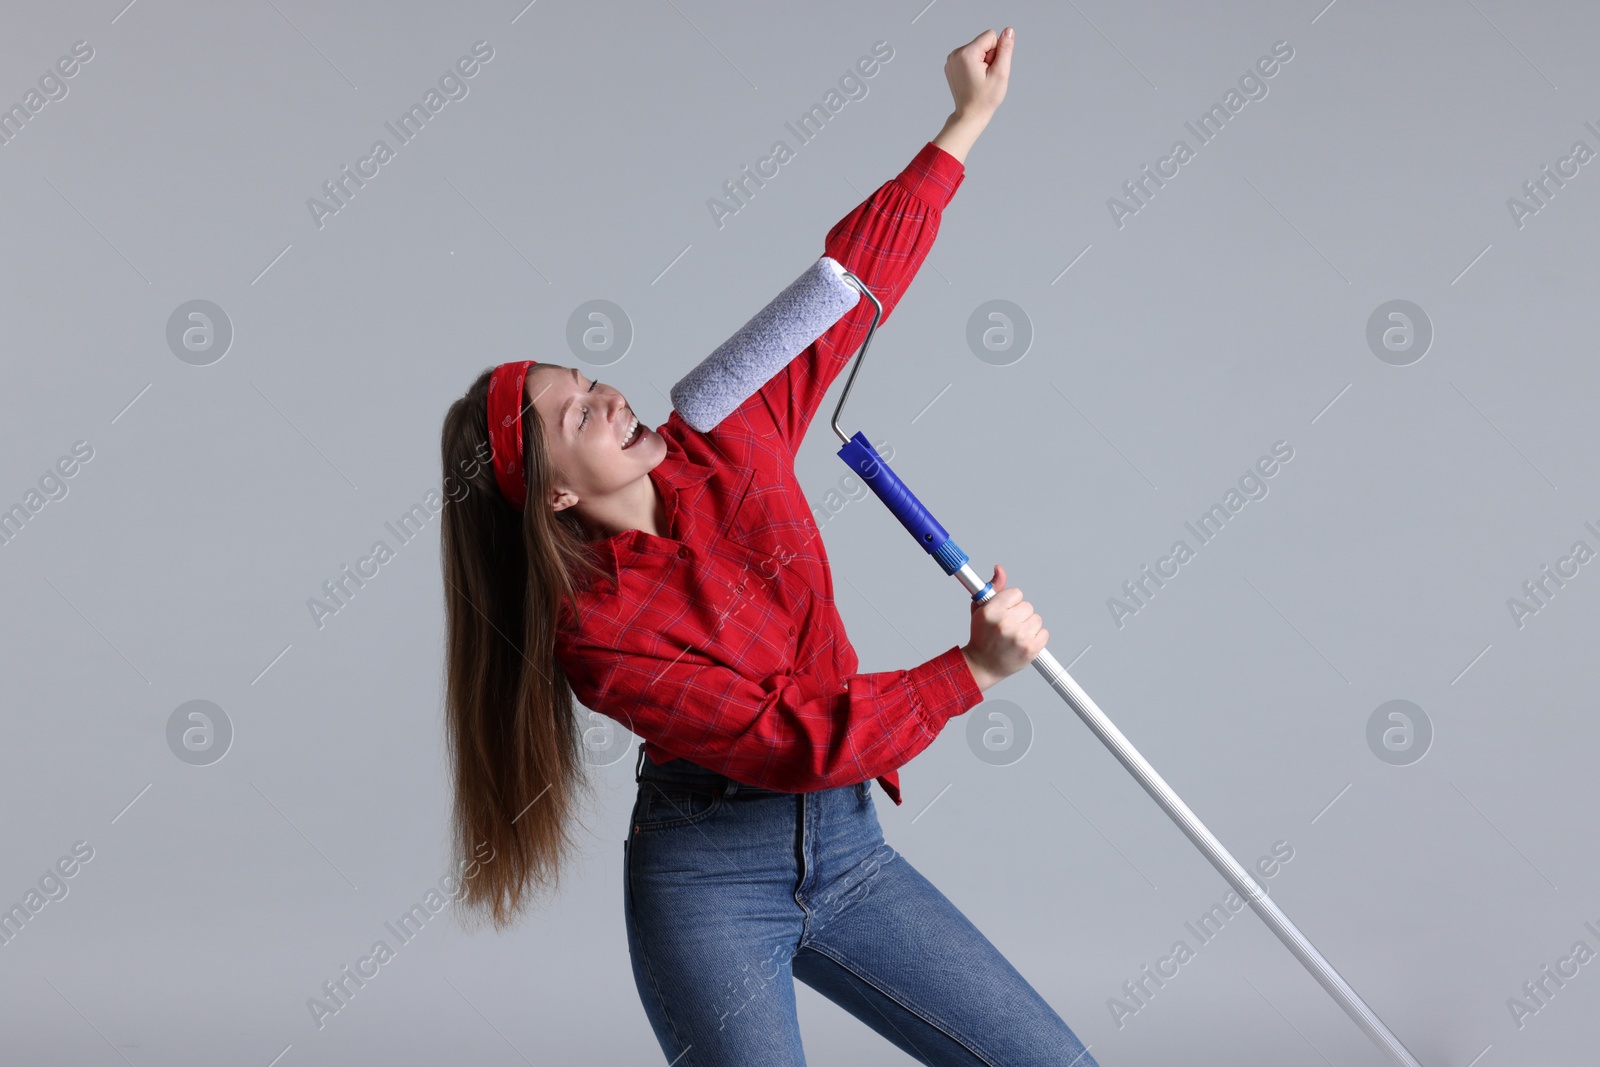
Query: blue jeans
[[731, 892]]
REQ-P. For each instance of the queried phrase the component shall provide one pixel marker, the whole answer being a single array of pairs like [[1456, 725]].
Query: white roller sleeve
[[749, 359]]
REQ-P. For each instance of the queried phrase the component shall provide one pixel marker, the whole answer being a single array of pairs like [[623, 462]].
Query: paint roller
[[783, 329]]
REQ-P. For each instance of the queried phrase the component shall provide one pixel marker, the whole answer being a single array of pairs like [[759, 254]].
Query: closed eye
[[586, 410]]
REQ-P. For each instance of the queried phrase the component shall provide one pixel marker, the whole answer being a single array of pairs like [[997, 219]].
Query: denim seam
[[936, 1024], [661, 1000]]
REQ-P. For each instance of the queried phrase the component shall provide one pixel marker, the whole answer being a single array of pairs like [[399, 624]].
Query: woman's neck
[[637, 506]]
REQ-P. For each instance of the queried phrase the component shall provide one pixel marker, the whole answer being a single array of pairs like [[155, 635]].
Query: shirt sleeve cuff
[[933, 176], [943, 688]]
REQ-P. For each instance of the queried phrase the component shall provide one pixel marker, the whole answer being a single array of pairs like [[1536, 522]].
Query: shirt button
[[683, 552], [791, 631]]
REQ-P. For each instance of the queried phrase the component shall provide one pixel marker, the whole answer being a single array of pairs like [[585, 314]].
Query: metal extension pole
[[933, 538]]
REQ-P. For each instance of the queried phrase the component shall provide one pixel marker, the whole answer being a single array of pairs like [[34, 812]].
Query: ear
[[561, 499]]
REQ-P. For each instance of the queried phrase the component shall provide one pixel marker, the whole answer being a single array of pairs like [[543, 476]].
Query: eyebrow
[[561, 416]]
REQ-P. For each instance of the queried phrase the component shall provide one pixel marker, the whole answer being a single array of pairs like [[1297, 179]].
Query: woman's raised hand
[[978, 71]]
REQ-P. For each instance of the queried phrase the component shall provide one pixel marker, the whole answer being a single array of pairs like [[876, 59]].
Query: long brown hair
[[515, 744]]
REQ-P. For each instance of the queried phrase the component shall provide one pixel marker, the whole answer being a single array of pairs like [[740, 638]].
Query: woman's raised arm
[[977, 72]]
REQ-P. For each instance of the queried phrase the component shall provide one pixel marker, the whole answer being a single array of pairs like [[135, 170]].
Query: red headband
[[505, 429]]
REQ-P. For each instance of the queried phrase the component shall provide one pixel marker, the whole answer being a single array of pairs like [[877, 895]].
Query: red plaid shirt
[[721, 642]]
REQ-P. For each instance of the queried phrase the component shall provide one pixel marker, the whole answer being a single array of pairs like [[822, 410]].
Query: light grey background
[[1228, 314]]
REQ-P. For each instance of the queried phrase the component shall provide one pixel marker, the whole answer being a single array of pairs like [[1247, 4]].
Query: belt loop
[[730, 787], [638, 765]]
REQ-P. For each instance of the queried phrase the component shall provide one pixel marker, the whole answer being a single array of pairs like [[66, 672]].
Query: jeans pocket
[[667, 806]]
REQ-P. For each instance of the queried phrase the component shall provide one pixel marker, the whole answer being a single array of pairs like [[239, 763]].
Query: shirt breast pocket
[[773, 518]]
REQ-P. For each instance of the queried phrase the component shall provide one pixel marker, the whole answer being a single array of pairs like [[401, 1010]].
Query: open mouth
[[635, 433]]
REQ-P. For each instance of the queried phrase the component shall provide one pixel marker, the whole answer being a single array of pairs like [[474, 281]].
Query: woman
[[675, 582]]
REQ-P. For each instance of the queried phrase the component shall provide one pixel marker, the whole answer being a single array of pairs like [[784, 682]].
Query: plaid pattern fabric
[[720, 643]]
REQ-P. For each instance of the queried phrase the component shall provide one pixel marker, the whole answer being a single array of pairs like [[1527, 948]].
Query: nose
[[616, 411]]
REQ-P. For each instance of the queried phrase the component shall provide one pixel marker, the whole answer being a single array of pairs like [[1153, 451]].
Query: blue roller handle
[[919, 522]]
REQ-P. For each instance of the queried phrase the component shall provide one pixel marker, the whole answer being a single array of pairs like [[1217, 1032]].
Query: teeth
[[633, 429]]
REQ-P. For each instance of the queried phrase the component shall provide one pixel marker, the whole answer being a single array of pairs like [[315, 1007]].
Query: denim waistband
[[682, 772]]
